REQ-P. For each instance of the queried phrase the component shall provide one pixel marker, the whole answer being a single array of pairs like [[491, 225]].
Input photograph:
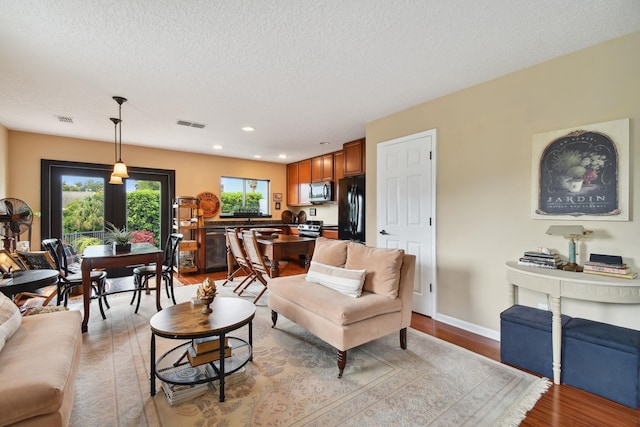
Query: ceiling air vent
[[190, 124], [65, 119]]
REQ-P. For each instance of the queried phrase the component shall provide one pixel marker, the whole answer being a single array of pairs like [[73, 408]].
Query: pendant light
[[115, 179], [119, 168]]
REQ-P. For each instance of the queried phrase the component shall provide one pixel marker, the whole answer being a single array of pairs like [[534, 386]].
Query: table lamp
[[573, 233]]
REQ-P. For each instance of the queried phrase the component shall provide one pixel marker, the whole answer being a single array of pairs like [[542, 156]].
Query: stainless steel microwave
[[320, 191]]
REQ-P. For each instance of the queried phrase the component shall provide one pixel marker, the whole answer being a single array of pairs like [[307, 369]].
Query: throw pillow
[[330, 251], [347, 282], [382, 265], [10, 319]]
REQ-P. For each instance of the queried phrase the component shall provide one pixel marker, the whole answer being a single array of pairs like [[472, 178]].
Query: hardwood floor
[[561, 405]]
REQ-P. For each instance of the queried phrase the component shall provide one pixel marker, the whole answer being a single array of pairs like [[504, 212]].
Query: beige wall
[[194, 172], [484, 174]]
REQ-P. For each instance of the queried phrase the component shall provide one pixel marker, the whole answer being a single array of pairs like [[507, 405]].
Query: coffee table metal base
[[174, 360]]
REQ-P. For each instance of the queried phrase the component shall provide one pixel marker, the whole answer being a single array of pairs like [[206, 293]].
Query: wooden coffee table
[[186, 322]]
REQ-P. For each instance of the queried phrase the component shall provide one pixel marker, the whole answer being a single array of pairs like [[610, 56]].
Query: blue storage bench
[[602, 359], [525, 339]]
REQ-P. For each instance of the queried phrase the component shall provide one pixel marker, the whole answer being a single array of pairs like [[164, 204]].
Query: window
[[244, 197], [77, 200]]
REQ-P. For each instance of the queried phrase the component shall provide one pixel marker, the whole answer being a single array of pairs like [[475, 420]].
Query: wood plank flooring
[[561, 405]]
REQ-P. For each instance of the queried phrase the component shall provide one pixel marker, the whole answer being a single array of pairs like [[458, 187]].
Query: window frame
[[267, 198]]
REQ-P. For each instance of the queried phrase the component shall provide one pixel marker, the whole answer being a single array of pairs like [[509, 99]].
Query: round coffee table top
[[30, 280], [185, 320]]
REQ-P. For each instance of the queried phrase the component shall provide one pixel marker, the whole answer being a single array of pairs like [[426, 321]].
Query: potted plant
[[119, 237]]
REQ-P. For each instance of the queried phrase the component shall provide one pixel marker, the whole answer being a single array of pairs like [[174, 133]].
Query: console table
[[568, 284]]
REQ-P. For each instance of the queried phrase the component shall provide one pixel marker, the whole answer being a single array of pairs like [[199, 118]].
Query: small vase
[[589, 175], [207, 302]]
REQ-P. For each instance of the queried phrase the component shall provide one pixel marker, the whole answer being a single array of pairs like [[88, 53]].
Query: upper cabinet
[[328, 167], [322, 168], [293, 198], [298, 180], [354, 157], [304, 179]]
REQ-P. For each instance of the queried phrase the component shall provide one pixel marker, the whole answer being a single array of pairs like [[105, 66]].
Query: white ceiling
[[300, 72]]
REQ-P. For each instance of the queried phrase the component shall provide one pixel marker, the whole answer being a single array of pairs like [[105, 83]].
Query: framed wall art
[[277, 197], [582, 173]]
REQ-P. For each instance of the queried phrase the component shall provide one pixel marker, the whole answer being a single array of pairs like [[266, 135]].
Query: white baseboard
[[470, 327]]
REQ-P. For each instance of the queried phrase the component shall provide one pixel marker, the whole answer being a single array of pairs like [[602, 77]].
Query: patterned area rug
[[292, 380]]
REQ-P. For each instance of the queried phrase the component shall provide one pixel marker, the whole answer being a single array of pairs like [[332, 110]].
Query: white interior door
[[406, 208]]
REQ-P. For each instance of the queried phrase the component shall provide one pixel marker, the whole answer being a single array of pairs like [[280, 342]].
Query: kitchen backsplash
[[328, 213]]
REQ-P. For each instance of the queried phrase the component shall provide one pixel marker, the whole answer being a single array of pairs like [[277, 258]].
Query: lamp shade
[[115, 180], [120, 169]]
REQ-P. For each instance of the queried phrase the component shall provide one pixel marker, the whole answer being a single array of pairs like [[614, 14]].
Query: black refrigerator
[[351, 208]]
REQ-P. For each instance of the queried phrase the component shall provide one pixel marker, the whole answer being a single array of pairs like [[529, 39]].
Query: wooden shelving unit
[[187, 220]]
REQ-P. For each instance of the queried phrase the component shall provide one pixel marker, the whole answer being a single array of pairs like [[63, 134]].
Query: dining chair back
[[70, 278], [254, 255], [142, 274], [240, 261]]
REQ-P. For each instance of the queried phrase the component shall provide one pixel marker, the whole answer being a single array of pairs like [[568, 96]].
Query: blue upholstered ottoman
[[525, 339], [602, 359]]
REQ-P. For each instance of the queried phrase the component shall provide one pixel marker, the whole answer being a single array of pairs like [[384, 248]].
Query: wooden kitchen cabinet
[[292, 184], [338, 172], [304, 179], [322, 168], [354, 157], [298, 180]]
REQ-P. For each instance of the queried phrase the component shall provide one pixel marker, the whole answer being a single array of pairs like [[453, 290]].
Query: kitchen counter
[[246, 224]]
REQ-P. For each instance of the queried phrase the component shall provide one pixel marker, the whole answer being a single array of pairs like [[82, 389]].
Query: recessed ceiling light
[[217, 147], [283, 156], [248, 129], [257, 156]]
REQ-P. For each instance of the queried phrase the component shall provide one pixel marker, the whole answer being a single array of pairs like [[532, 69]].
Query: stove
[[312, 228]]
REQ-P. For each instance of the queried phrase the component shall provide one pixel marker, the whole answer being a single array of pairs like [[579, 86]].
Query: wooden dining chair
[[142, 274], [70, 277], [243, 265], [256, 260]]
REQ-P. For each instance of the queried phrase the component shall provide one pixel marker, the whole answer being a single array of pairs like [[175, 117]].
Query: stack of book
[[207, 350], [609, 266], [238, 376], [540, 259], [179, 393]]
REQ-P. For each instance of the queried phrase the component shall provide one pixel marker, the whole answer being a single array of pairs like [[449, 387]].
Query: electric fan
[[16, 217]]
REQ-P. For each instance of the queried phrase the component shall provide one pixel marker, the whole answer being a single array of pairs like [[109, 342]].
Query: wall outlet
[[543, 306]]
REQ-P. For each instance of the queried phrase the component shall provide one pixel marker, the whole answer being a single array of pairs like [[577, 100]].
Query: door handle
[[384, 232]]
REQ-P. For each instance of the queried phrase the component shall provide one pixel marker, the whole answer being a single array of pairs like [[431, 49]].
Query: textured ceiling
[[299, 72]]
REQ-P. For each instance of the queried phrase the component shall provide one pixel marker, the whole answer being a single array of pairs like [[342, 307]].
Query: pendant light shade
[[115, 179], [119, 168]]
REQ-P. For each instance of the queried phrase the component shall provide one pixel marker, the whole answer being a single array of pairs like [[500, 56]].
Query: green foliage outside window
[[143, 207], [232, 202], [87, 214]]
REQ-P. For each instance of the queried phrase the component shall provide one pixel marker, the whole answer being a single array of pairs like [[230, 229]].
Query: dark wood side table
[[186, 322], [29, 281]]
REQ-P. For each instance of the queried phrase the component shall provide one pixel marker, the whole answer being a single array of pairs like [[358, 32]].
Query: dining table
[[286, 246], [105, 256]]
